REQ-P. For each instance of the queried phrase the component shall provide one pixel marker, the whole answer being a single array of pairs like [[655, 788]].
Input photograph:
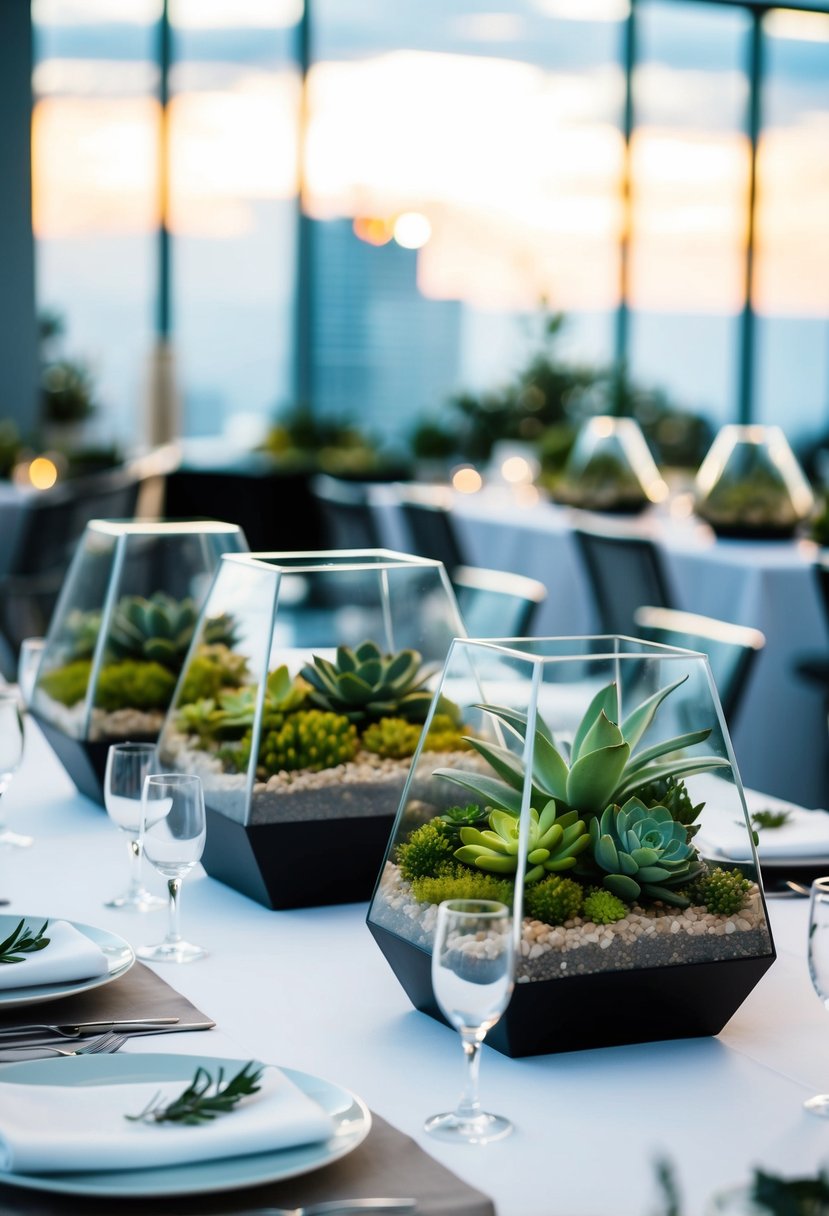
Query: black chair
[[625, 572], [431, 533], [815, 667], [731, 649], [347, 518], [53, 523], [497, 605]]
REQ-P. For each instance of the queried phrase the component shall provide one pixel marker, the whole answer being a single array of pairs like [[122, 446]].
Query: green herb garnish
[[791, 1196], [770, 819], [22, 941], [197, 1104]]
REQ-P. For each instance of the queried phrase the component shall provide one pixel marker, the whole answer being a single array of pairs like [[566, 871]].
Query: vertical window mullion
[[745, 393]]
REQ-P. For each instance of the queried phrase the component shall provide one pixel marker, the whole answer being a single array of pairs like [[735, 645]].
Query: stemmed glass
[[472, 979], [127, 766], [28, 663], [11, 753], [818, 956], [173, 835]]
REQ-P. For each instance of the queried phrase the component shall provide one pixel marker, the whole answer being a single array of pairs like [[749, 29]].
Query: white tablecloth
[[310, 990], [780, 736]]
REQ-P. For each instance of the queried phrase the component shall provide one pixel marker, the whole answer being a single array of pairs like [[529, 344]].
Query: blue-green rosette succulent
[[643, 851]]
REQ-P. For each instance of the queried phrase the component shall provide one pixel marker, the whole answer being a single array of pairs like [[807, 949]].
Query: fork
[[336, 1207], [105, 1043]]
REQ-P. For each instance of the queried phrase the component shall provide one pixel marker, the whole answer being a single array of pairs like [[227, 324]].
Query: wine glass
[[127, 766], [11, 753], [472, 979], [28, 663], [818, 957], [173, 834]]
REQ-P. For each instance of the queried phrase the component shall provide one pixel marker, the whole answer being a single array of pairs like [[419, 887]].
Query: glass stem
[[135, 865], [469, 1106], [174, 888]]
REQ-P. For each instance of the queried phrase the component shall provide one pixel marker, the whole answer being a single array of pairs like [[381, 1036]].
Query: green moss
[[68, 684], [554, 900], [394, 738], [445, 735], [310, 739], [213, 669], [462, 883], [721, 891], [134, 684], [426, 853], [603, 908]]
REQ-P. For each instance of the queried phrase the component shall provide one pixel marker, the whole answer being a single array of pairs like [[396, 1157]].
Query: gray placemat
[[138, 994], [386, 1163]]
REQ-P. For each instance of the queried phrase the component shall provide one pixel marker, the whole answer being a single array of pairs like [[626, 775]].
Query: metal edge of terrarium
[[261, 692], [267, 559], [161, 527], [524, 815], [106, 615]]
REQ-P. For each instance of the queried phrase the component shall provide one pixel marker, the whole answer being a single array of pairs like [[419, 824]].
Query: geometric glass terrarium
[[119, 635], [303, 730], [601, 801], [610, 468]]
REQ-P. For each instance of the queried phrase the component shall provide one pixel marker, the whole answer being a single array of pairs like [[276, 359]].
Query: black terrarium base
[[606, 1009], [297, 865], [85, 762]]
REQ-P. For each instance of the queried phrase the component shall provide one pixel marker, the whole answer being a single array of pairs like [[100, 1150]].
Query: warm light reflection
[[412, 230], [516, 469], [467, 480], [372, 230]]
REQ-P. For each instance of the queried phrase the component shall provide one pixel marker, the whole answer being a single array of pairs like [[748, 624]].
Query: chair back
[[497, 605], [347, 518], [431, 533], [624, 572], [731, 649]]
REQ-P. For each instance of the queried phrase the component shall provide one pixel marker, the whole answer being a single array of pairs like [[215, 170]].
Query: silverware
[[75, 1030], [105, 1043], [336, 1207]]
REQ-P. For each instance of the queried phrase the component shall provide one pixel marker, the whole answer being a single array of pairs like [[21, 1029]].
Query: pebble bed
[[656, 936], [104, 726]]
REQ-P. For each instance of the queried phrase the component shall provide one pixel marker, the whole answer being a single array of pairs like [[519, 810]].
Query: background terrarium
[[595, 797], [120, 633], [304, 727], [610, 468]]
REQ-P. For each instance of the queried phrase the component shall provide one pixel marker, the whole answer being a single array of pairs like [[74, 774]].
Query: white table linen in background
[[69, 956], [310, 990]]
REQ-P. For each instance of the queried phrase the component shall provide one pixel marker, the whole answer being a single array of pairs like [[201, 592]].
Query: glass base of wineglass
[[818, 1105], [13, 840], [482, 1129], [141, 900], [171, 952]]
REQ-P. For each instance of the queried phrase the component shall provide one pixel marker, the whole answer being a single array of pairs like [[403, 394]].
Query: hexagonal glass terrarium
[[303, 727], [599, 798], [120, 633], [610, 468]]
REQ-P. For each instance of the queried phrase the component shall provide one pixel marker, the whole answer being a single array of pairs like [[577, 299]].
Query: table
[[780, 736], [310, 990]]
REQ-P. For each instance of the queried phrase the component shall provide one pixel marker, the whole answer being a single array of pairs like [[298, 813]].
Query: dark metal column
[[623, 312], [304, 323], [163, 314], [745, 388], [18, 325]]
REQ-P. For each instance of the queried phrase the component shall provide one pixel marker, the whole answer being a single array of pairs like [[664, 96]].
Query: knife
[[73, 1030]]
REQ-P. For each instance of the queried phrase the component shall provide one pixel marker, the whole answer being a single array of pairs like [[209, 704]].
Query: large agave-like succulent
[[554, 843], [601, 767], [643, 851], [366, 685]]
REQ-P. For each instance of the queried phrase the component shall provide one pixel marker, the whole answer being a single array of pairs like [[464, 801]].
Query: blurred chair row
[[629, 585], [50, 525]]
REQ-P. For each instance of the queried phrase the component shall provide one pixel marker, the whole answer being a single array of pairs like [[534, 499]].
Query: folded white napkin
[[50, 1128], [805, 834], [70, 955]]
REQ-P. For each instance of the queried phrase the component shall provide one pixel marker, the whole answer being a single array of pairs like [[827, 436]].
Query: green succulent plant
[[554, 900], [643, 851], [80, 633], [366, 685], [446, 733], [427, 852], [603, 907], [232, 710], [310, 739], [673, 794], [555, 841], [470, 816], [721, 891], [603, 765], [459, 882], [212, 669], [394, 738], [159, 629]]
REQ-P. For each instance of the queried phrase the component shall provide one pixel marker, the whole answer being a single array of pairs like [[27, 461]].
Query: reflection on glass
[[610, 468]]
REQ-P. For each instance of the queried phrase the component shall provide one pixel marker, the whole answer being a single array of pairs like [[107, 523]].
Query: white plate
[[352, 1122], [119, 955]]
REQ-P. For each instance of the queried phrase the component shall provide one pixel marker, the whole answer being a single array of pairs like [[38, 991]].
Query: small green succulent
[[603, 907], [473, 815], [426, 853], [643, 852], [721, 891], [212, 669], [134, 685], [603, 765], [394, 738], [555, 842], [310, 739], [366, 685], [80, 633], [234, 709], [672, 794], [446, 732], [554, 900], [459, 882], [158, 629]]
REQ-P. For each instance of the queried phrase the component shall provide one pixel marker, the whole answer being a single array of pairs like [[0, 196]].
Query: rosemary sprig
[[23, 941], [197, 1104], [770, 819]]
